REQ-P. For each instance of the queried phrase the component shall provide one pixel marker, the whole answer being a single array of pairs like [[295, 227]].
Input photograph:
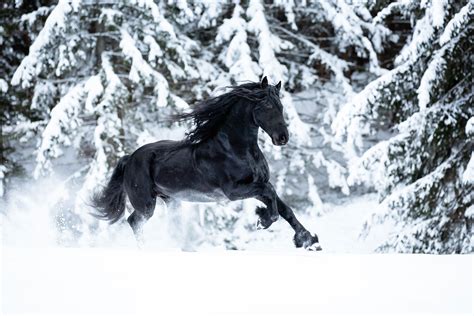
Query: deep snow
[[75, 281], [270, 278]]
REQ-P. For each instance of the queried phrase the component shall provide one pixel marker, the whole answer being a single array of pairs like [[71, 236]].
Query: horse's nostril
[[283, 138]]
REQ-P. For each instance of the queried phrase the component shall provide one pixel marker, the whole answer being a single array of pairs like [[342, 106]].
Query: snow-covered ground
[[73, 281], [270, 278]]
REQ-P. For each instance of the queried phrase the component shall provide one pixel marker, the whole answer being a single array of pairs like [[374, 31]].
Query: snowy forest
[[377, 94]]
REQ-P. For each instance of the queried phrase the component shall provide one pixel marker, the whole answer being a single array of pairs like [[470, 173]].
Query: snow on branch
[[3, 86], [348, 25], [297, 127], [393, 7], [435, 72], [94, 90], [64, 120], [161, 23], [383, 95], [332, 62], [435, 206], [115, 92], [30, 18], [108, 99], [209, 10], [370, 168], [436, 198], [268, 43], [317, 207], [424, 31], [468, 175], [336, 173], [352, 120], [236, 56], [32, 65], [141, 70], [457, 24], [288, 6], [186, 15]]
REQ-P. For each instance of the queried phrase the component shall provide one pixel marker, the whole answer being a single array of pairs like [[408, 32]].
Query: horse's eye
[[268, 105]]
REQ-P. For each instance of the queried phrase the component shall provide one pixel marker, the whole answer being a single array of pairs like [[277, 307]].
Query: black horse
[[219, 159]]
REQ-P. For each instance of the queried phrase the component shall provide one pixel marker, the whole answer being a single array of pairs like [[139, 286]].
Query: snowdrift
[[96, 281]]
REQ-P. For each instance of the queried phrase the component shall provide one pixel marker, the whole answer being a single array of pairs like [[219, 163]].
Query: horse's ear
[[264, 83], [278, 86]]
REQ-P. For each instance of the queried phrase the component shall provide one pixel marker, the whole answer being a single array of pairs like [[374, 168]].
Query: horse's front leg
[[263, 192], [269, 214], [303, 237]]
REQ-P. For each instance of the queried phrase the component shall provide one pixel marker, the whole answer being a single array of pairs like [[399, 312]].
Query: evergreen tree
[[20, 23], [424, 104]]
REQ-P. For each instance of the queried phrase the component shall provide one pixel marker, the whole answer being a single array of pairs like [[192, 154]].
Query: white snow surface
[[109, 275], [52, 281], [113, 277]]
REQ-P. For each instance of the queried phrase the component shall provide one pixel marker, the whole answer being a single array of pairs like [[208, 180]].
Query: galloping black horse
[[219, 159]]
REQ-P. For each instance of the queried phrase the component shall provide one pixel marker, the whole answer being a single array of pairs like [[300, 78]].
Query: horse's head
[[268, 114]]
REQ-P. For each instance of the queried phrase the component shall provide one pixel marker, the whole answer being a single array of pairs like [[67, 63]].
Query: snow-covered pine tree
[[423, 103], [19, 23]]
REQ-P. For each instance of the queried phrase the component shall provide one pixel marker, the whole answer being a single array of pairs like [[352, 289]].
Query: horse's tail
[[110, 202]]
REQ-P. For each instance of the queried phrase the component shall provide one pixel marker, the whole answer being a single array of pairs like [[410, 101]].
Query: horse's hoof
[[307, 241], [261, 224], [314, 247], [274, 217], [265, 220]]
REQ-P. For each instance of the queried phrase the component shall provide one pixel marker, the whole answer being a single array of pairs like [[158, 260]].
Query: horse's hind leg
[[139, 217], [136, 222], [144, 205]]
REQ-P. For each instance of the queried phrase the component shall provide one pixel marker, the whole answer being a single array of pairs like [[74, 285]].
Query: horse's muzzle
[[280, 139]]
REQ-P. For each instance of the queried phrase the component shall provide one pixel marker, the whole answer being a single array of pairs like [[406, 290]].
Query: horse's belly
[[198, 196]]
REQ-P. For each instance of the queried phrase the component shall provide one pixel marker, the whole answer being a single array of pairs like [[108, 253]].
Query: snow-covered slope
[[270, 278], [79, 281]]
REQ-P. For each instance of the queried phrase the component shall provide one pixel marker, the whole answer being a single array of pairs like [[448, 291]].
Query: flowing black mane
[[210, 114]]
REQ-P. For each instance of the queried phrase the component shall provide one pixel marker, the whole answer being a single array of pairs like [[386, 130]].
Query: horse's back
[[156, 148], [168, 168], [139, 171]]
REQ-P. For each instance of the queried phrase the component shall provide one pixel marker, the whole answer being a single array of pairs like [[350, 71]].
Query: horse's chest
[[234, 165], [250, 169]]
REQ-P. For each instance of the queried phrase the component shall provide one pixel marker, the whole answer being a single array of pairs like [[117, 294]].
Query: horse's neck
[[240, 130]]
